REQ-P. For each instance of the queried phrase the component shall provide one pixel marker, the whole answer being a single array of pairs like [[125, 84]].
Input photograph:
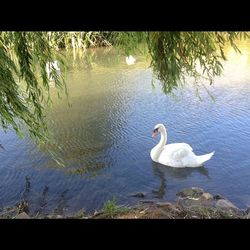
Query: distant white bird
[[130, 60], [50, 66]]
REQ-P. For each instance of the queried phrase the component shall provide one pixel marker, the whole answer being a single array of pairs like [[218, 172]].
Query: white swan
[[130, 60], [178, 155]]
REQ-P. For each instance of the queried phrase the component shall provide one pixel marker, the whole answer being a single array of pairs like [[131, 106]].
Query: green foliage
[[78, 40], [178, 55], [24, 81], [81, 214], [129, 41], [111, 208]]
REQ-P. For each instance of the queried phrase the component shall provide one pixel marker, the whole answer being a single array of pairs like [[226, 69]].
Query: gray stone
[[222, 203], [54, 216], [247, 213], [186, 202], [49, 216], [22, 206], [167, 205], [22, 215], [207, 196], [138, 195], [195, 217], [218, 197], [163, 204], [191, 193], [147, 201]]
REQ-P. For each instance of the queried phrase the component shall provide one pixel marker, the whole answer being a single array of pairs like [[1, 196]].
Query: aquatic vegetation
[[110, 208]]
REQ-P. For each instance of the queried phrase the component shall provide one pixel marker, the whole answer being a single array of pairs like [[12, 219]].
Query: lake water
[[105, 138]]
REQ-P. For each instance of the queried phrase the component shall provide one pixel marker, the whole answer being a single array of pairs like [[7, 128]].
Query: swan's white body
[[178, 155], [130, 60]]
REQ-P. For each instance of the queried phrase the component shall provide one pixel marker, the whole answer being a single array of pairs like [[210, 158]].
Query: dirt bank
[[191, 203]]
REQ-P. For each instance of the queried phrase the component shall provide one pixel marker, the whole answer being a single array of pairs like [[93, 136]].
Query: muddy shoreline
[[191, 203]]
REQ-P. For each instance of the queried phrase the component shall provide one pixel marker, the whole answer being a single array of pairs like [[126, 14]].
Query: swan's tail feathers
[[204, 158]]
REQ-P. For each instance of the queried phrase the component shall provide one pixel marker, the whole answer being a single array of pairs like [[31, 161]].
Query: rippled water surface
[[105, 138]]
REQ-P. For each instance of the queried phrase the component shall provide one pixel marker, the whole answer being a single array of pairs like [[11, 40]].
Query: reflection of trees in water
[[92, 168], [62, 203], [91, 131], [162, 189], [42, 200], [37, 203], [86, 60], [24, 195], [164, 173]]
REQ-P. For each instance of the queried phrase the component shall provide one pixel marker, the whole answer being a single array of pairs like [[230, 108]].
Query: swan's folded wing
[[185, 146], [178, 151]]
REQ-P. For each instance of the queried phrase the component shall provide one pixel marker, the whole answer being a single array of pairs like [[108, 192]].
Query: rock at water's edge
[[191, 193], [22, 215], [138, 195], [222, 203], [207, 196]]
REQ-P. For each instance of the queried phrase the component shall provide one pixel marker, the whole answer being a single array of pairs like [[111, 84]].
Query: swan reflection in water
[[165, 173]]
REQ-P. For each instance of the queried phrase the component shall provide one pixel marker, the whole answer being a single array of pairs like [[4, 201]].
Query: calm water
[[105, 138]]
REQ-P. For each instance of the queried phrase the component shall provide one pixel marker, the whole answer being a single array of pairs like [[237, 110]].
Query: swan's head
[[159, 128]]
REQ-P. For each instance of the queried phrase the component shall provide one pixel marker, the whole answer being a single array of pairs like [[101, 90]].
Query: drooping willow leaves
[[24, 83], [24, 80], [178, 55]]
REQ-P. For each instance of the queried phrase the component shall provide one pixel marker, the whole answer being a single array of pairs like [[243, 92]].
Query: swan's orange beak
[[154, 134]]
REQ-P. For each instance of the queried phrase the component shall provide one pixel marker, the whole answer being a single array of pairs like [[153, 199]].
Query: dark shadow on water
[[40, 203], [177, 173], [43, 200], [91, 169], [165, 173], [62, 203], [24, 194]]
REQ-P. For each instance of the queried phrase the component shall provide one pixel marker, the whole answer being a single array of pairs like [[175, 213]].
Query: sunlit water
[[105, 138]]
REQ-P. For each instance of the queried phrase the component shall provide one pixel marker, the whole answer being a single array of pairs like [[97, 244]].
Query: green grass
[[81, 214], [111, 208]]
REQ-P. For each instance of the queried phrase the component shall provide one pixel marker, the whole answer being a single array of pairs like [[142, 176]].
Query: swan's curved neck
[[156, 151], [159, 147], [163, 139]]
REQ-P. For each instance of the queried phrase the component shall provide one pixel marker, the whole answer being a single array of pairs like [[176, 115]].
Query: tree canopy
[[24, 82], [178, 55]]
